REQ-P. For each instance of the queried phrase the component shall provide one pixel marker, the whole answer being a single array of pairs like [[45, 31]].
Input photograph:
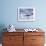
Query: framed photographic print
[[26, 14]]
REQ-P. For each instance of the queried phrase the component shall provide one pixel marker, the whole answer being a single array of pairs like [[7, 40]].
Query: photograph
[[26, 14]]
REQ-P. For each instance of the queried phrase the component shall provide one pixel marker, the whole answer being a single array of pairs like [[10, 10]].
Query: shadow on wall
[[2, 26]]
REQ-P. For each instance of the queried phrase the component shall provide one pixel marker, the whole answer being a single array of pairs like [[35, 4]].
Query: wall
[[8, 13]]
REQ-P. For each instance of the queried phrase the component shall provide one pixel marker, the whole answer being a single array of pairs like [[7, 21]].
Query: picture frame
[[26, 14]]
